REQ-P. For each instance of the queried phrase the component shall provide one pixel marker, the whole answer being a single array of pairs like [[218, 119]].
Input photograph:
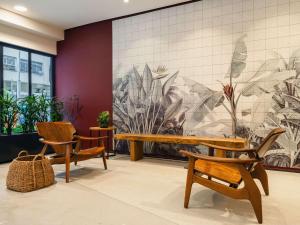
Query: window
[[24, 87], [41, 74], [37, 68], [24, 65], [9, 63], [25, 72], [13, 76]]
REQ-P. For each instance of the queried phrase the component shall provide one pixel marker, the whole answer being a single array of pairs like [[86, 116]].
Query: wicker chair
[[208, 171], [61, 137]]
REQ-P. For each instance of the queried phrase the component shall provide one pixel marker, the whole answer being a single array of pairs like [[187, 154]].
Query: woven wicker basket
[[29, 172]]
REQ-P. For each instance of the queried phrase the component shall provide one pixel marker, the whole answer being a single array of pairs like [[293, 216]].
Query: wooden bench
[[136, 142]]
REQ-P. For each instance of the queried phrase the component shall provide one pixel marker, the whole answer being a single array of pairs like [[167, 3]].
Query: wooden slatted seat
[[221, 171]]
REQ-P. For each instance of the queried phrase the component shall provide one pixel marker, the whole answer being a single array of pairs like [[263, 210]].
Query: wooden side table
[[109, 132]]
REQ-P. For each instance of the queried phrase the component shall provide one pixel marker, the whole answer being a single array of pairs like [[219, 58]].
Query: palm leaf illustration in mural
[[275, 85], [151, 103], [144, 103], [280, 84], [202, 104]]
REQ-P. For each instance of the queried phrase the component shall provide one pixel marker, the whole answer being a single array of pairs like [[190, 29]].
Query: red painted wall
[[84, 68]]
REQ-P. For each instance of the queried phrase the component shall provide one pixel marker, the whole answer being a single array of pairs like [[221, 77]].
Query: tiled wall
[[198, 41]]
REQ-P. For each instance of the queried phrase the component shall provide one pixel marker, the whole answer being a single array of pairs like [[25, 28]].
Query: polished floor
[[147, 192]]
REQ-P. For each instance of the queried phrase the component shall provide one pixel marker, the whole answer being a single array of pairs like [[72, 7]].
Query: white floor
[[147, 192]]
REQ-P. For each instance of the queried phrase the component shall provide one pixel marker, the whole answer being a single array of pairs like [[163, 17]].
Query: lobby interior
[[129, 112]]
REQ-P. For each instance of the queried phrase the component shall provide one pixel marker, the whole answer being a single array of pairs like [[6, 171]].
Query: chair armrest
[[218, 159], [228, 148], [83, 138], [56, 143]]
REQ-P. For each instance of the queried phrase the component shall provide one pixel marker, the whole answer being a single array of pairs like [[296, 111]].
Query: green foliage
[[29, 113], [57, 107], [43, 103], [103, 119], [28, 110], [9, 112]]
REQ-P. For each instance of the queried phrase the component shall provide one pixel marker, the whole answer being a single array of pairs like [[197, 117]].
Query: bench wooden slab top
[[136, 141]]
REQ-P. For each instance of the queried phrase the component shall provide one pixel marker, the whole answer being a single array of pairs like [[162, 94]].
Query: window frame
[[30, 52]]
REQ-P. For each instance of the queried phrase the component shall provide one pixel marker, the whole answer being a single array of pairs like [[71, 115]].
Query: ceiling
[[72, 13]]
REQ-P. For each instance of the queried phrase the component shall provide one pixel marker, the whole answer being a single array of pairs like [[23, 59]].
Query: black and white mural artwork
[[207, 80]]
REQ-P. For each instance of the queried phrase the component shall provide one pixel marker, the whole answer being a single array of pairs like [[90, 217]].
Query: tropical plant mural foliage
[[151, 102]]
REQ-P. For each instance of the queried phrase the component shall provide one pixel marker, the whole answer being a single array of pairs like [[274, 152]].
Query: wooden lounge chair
[[61, 137], [209, 171]]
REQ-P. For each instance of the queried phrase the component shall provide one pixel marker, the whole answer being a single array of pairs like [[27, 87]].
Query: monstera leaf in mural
[[145, 103]]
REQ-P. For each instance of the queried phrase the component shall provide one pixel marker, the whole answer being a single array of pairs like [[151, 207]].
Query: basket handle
[[21, 153], [33, 168]]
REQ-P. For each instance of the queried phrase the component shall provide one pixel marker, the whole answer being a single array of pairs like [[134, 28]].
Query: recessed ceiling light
[[20, 8], [125, 1]]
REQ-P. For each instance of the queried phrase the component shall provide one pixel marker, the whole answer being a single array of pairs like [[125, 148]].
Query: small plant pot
[[104, 125], [103, 119]]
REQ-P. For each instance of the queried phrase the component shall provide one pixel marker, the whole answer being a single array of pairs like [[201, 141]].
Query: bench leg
[[136, 150]]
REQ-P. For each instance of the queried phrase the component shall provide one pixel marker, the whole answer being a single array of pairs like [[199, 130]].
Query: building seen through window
[[9, 63], [16, 73]]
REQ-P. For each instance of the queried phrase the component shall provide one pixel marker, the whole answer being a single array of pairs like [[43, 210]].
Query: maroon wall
[[84, 68]]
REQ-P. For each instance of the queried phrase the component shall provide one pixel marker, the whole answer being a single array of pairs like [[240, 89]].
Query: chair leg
[[189, 182], [254, 195], [260, 173], [104, 160], [68, 152]]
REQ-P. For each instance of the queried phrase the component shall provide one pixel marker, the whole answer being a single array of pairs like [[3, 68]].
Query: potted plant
[[29, 113], [43, 104], [9, 112], [56, 113], [103, 119]]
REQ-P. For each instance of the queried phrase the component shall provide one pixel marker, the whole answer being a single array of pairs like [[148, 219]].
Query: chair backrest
[[56, 131], [268, 141]]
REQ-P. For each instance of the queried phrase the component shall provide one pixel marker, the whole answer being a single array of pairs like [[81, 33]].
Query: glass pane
[[41, 74], [15, 72]]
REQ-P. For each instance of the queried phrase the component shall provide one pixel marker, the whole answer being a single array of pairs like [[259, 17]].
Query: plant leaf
[[270, 65], [172, 110], [169, 83], [147, 79], [133, 90], [196, 87], [137, 78], [265, 84], [156, 91], [258, 113], [130, 108], [238, 61], [293, 101], [294, 61]]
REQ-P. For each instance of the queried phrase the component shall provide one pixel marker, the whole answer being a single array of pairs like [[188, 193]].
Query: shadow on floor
[[84, 173], [209, 205]]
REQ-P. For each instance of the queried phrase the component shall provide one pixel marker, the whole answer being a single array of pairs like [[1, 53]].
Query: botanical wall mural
[[249, 91]]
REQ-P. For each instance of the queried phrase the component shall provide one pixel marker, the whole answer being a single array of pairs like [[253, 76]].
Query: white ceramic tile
[[294, 7], [198, 39]]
